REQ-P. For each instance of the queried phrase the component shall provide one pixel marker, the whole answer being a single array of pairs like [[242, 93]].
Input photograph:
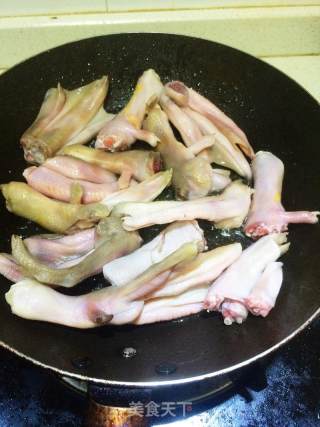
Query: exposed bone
[[263, 296], [237, 282]]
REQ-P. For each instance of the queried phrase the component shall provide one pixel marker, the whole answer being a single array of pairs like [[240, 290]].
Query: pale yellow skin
[[115, 305], [55, 216], [142, 164], [63, 115], [192, 176], [113, 241]]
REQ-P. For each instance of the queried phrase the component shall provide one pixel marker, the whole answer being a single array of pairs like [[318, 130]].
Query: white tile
[[303, 69], [130, 5], [50, 7], [261, 32]]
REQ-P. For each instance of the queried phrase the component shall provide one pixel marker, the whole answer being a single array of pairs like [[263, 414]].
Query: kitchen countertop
[[287, 38], [305, 70]]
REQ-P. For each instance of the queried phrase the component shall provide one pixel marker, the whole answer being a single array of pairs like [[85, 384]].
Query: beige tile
[[261, 32], [304, 69], [129, 5], [49, 7]]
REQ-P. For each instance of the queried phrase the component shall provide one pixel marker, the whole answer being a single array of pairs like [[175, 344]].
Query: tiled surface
[[33, 397], [45, 7], [286, 37], [49, 7], [125, 5], [261, 32], [304, 69]]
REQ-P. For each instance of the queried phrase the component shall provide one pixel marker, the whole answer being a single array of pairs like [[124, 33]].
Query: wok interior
[[276, 114]]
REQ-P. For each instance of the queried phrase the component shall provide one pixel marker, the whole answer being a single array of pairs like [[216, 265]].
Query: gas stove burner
[[291, 397], [185, 400], [195, 393], [127, 403]]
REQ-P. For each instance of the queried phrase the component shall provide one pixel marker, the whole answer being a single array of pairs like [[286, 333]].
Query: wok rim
[[181, 381], [196, 378]]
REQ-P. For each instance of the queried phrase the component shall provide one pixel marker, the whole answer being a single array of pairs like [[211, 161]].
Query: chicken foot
[[193, 177], [267, 215], [112, 242], [55, 216], [125, 128], [141, 164], [227, 210], [125, 269], [63, 115], [187, 97], [112, 305], [229, 292]]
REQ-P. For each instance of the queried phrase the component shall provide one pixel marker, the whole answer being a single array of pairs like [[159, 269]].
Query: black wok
[[276, 114]]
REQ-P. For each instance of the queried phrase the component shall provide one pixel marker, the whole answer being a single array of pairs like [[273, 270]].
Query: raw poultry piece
[[145, 191], [10, 269], [56, 250], [193, 177], [187, 127], [229, 292], [220, 150], [62, 116], [122, 270], [220, 179], [125, 128], [59, 187], [233, 311], [187, 97], [55, 216], [114, 305], [79, 169], [139, 163], [267, 215], [92, 128], [227, 210], [206, 267], [111, 242], [263, 296], [184, 304], [204, 138], [261, 299]]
